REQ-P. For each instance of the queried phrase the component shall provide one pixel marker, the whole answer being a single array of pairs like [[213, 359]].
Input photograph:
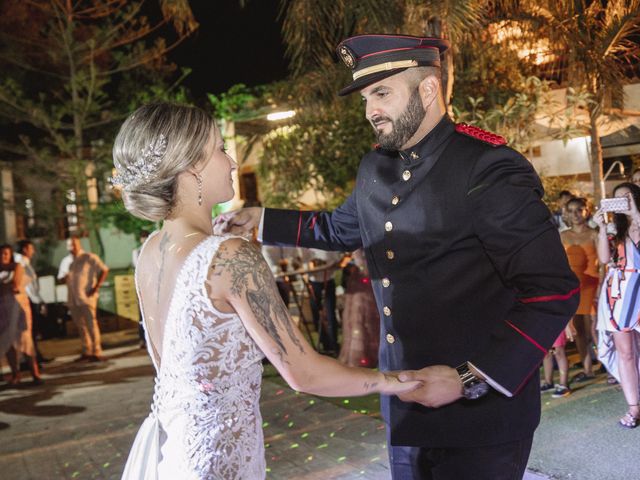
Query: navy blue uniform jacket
[[466, 265]]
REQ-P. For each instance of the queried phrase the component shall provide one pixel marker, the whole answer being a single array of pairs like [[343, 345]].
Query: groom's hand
[[441, 385], [238, 222]]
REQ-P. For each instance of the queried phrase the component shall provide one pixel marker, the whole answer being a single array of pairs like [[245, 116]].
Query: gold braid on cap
[[143, 168], [383, 67]]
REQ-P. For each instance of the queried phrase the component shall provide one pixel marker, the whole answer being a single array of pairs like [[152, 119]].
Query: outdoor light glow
[[538, 51], [272, 117]]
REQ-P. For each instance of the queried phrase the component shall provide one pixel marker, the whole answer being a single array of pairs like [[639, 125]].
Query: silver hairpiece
[[143, 168]]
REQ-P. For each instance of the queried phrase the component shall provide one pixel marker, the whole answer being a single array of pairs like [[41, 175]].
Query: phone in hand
[[615, 204]]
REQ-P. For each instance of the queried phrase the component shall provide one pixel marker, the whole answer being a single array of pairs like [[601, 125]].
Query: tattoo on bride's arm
[[164, 243], [263, 299], [370, 386]]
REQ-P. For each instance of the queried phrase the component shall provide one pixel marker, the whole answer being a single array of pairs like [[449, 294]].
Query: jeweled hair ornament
[[143, 168]]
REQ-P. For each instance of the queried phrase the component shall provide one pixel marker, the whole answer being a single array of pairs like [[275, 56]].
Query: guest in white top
[[84, 276]]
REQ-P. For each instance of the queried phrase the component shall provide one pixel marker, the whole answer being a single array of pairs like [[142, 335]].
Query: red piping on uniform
[[540, 347], [526, 379], [397, 50], [313, 222], [299, 228], [551, 298]]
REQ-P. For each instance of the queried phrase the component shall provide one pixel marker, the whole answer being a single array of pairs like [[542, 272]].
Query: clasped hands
[[440, 385]]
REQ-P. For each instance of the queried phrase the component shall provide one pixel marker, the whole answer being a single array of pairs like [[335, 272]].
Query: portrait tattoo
[[251, 277]]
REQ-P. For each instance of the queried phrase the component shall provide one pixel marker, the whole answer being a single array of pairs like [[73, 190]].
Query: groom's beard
[[405, 126]]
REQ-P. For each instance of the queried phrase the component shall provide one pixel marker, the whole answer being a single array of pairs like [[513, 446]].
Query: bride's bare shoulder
[[238, 249], [235, 261]]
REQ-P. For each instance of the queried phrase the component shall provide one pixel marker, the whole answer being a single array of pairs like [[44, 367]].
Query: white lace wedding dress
[[205, 420]]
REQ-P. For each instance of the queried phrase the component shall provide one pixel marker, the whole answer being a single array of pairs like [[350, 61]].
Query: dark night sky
[[232, 45]]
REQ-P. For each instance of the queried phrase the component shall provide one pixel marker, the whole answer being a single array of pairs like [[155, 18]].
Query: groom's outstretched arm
[[338, 230]]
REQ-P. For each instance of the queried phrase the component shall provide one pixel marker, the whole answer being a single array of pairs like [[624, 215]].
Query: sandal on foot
[[582, 377], [628, 421]]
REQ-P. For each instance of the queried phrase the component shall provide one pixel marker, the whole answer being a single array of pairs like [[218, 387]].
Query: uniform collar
[[430, 142]]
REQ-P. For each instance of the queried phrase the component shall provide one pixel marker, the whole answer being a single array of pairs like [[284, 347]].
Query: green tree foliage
[[494, 89], [72, 71], [598, 42], [238, 103], [322, 150], [114, 214]]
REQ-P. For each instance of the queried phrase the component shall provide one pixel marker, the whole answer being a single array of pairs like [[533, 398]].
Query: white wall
[[559, 159]]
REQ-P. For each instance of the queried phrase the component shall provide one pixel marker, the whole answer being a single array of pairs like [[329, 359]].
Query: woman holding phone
[[619, 305]]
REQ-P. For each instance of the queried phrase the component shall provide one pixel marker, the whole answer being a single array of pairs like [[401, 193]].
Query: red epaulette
[[476, 132]]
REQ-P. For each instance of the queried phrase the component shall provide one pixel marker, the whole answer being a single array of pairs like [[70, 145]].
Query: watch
[[472, 386]]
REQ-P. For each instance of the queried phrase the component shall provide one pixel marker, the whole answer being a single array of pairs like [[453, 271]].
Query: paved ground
[[81, 423]]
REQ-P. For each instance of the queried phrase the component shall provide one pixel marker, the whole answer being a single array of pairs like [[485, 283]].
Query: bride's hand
[[393, 386]]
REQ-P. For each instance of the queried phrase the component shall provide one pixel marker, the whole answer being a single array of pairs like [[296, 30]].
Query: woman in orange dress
[[580, 244]]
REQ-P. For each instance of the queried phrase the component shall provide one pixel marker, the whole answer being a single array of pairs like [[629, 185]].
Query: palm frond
[[620, 29], [312, 29]]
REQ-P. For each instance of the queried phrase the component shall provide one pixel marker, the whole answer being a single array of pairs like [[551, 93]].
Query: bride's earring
[[199, 180]]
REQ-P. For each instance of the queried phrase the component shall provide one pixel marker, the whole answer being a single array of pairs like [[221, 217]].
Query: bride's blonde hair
[[155, 144]]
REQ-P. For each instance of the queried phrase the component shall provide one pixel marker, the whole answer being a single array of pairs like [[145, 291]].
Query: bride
[[210, 308]]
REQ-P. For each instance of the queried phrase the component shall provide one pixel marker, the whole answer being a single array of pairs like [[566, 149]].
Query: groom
[[470, 277]]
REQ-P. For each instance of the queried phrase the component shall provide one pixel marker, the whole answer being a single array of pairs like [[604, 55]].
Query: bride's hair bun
[[155, 144]]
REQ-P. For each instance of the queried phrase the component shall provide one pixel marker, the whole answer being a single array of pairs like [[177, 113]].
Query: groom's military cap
[[375, 57]]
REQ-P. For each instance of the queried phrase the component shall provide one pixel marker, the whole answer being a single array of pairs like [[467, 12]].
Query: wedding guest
[[619, 304], [85, 275], [26, 253], [559, 215], [579, 241], [15, 317], [323, 295], [360, 320]]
